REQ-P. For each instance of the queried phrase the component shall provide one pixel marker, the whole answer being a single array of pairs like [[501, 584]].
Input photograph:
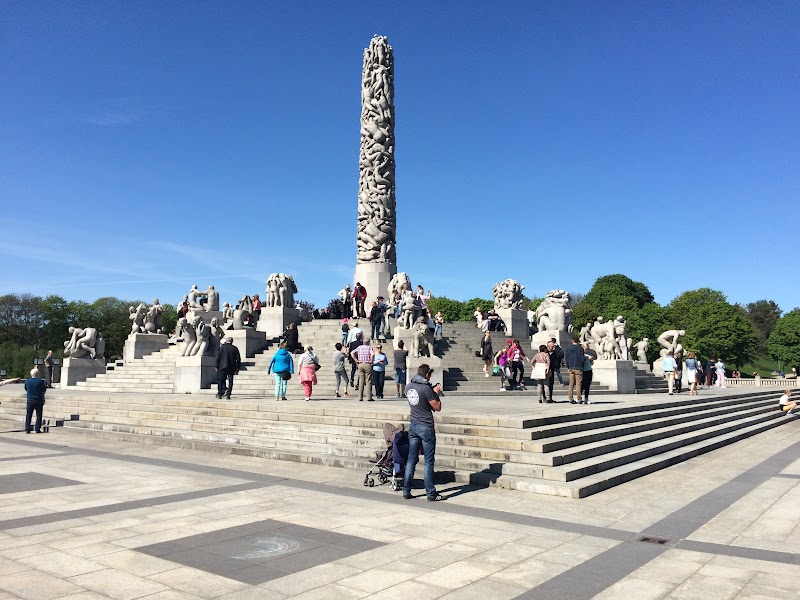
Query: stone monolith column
[[376, 259]]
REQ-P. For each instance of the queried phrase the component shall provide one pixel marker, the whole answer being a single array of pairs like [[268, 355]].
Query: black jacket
[[228, 358]]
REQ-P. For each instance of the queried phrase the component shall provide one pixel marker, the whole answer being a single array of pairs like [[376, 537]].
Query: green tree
[[714, 328], [784, 341], [763, 314], [608, 292]]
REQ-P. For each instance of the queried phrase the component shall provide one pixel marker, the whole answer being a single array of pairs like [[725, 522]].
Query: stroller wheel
[[393, 484], [383, 478], [371, 482]]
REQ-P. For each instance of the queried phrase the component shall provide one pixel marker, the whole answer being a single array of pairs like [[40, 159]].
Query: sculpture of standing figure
[[273, 295], [623, 341], [641, 350], [376, 235], [286, 290], [585, 335], [409, 311]]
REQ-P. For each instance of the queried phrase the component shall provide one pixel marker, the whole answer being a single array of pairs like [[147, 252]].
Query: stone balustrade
[[778, 382]]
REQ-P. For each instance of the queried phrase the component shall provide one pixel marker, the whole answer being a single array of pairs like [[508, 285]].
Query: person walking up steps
[[307, 365], [282, 367], [229, 361]]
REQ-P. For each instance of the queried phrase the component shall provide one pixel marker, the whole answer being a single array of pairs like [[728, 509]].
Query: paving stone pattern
[[163, 523]]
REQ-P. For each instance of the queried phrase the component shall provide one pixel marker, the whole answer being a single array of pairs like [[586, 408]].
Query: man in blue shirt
[[424, 401], [35, 389]]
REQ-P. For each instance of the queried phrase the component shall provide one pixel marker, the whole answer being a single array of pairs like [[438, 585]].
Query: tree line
[[32, 325]]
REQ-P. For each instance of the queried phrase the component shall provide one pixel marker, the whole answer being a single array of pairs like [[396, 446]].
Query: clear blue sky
[[148, 146]]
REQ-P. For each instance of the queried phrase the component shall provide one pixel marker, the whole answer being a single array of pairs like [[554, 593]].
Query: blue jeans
[[376, 328], [437, 330], [280, 386], [420, 434], [378, 379]]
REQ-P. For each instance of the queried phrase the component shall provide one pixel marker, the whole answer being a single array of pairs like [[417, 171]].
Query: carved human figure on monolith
[[85, 343], [376, 235], [286, 290], [508, 294], [555, 312]]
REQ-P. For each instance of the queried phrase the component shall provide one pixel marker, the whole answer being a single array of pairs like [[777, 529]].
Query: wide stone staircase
[[465, 376], [557, 451], [152, 373]]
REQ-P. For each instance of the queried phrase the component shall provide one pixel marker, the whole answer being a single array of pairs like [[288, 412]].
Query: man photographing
[[423, 398]]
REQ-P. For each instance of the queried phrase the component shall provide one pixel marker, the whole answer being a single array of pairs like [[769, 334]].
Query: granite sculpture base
[[74, 370], [618, 375], [274, 319], [643, 366], [658, 367], [249, 341], [141, 344], [517, 325], [194, 373], [375, 277], [563, 339]]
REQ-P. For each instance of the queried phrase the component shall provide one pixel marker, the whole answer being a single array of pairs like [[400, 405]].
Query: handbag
[[285, 375], [495, 370], [477, 353], [539, 371], [317, 366]]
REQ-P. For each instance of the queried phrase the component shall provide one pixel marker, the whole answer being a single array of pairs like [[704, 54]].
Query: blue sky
[[149, 146]]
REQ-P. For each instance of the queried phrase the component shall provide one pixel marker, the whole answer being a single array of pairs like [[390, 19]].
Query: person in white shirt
[[786, 405], [719, 367], [669, 371]]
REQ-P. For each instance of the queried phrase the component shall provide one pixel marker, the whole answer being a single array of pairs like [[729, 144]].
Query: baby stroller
[[391, 462]]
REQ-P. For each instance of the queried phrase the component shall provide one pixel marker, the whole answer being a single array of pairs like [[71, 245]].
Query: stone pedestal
[[274, 319], [141, 344], [516, 321], [193, 373], [563, 339], [658, 367], [434, 362], [618, 375], [249, 341], [642, 366], [375, 277], [74, 370]]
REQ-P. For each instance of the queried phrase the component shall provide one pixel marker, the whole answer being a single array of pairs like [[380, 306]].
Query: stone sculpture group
[[202, 301], [280, 290], [199, 339], [85, 342], [508, 294], [147, 320], [376, 235]]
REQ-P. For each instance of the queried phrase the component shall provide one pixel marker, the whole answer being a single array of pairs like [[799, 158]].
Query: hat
[[347, 287], [227, 340]]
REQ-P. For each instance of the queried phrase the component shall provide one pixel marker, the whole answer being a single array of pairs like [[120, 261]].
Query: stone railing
[[777, 382]]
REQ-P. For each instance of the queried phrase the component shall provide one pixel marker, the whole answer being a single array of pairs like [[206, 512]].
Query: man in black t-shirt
[[424, 401]]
